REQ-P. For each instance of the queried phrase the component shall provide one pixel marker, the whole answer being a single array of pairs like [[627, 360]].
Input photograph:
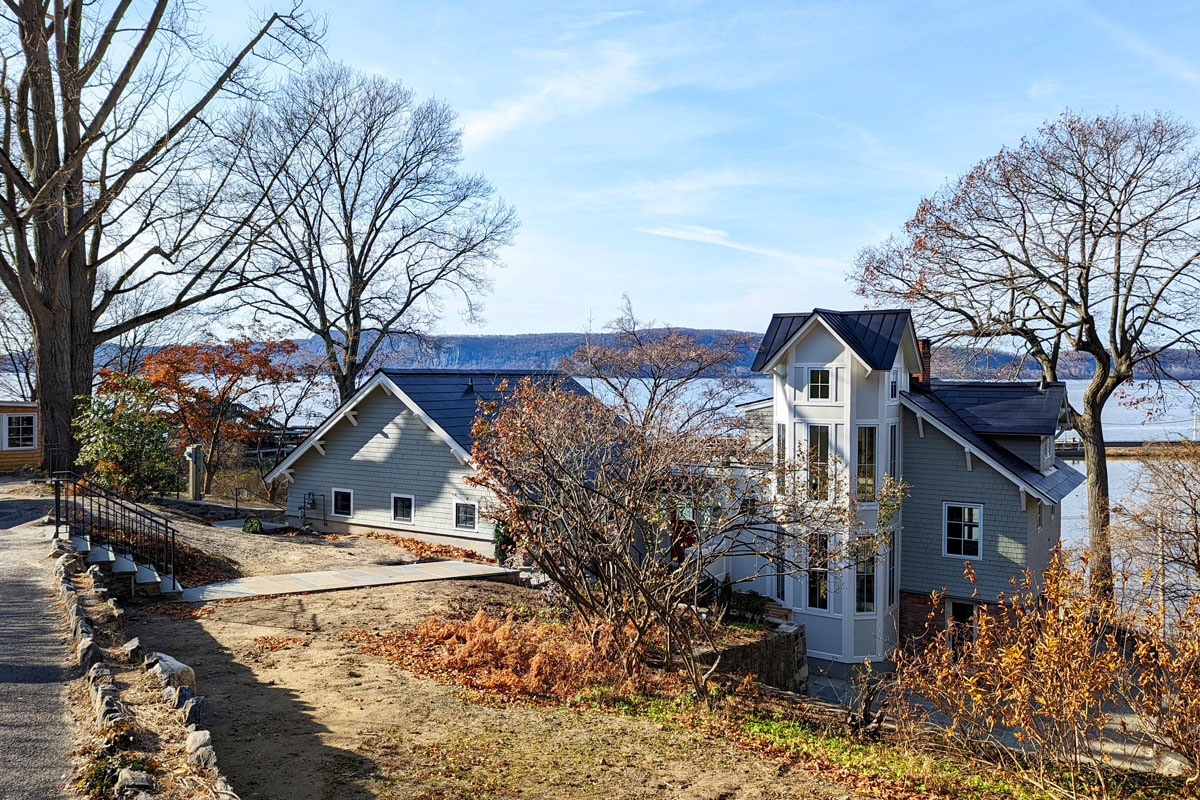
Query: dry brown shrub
[[502, 655], [176, 611]]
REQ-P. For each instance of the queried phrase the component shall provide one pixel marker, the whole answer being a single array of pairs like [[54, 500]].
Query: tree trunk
[[56, 405], [1099, 510]]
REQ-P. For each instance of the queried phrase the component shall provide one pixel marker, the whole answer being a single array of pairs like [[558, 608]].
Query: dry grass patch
[[426, 550]]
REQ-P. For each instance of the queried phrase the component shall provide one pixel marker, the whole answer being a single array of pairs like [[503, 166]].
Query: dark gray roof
[[1055, 486], [451, 397], [874, 335], [1005, 408]]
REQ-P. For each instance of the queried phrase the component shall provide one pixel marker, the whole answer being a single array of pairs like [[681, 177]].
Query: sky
[[720, 162]]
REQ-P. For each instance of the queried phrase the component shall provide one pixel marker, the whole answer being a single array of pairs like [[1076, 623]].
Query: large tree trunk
[[1099, 508], [56, 405]]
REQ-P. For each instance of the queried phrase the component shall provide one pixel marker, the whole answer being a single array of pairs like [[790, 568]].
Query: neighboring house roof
[[1051, 488], [874, 336], [451, 398], [446, 401], [1006, 408]]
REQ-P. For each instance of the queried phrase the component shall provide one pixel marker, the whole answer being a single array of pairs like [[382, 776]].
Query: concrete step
[[122, 565], [100, 554], [146, 576], [81, 544], [170, 587]]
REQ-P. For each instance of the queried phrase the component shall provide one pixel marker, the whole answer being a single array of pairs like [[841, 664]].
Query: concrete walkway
[[35, 732], [267, 585]]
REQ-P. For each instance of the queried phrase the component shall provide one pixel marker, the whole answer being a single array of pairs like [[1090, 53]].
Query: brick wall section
[[935, 469], [389, 452], [914, 615]]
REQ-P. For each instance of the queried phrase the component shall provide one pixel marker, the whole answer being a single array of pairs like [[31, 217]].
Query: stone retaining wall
[[176, 679], [779, 659]]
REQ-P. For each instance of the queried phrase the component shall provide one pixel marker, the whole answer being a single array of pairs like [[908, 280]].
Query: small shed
[[20, 435]]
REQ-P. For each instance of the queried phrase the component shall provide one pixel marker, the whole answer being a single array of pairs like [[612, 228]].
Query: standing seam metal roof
[[874, 335], [451, 397]]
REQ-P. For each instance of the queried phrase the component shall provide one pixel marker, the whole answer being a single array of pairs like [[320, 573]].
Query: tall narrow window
[[865, 491], [864, 584], [963, 527], [818, 384], [818, 460], [893, 452], [818, 570], [780, 453], [893, 587], [894, 384]]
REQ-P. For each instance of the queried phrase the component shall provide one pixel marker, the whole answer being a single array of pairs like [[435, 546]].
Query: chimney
[[925, 348]]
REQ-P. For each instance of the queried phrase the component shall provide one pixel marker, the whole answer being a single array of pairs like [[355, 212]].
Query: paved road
[[35, 733]]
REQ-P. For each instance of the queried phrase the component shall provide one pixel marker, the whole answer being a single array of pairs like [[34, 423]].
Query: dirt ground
[[319, 719], [276, 554]]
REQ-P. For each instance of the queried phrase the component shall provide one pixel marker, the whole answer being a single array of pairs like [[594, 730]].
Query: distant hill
[[546, 351]]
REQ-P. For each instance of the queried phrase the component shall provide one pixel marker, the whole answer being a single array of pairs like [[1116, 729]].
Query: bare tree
[[1079, 244], [386, 225], [16, 342], [121, 131], [634, 498], [1157, 533]]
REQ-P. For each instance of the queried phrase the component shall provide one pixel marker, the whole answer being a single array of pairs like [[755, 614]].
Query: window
[[1048, 451], [402, 508], [960, 619], [19, 432], [343, 502], [864, 584], [865, 485], [818, 571], [818, 460], [963, 526], [894, 384], [894, 452], [780, 453], [893, 587], [818, 384], [464, 516]]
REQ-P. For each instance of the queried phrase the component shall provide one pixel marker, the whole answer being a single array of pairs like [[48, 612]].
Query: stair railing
[[107, 518]]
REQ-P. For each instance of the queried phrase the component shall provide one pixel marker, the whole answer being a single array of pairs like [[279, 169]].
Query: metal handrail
[[106, 517]]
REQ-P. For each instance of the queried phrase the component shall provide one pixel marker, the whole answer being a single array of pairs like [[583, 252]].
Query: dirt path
[[318, 719], [35, 732]]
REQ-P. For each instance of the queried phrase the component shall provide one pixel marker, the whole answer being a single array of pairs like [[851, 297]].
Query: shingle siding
[[935, 468], [389, 452]]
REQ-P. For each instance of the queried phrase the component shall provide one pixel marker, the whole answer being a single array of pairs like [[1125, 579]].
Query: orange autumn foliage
[[500, 655]]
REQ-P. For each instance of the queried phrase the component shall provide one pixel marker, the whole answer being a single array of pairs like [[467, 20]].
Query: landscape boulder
[[192, 710], [170, 672], [129, 778], [205, 758], [198, 739]]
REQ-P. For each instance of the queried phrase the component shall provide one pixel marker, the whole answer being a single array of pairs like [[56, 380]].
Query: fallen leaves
[[423, 551], [274, 644], [176, 611]]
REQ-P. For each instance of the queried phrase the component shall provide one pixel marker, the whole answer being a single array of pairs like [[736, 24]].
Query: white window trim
[[5, 419], [454, 515], [945, 506], [893, 381], [948, 607], [413, 506], [874, 612], [832, 399], [874, 501], [333, 502]]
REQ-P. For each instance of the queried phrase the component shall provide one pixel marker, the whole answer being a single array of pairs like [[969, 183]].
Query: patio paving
[[331, 580]]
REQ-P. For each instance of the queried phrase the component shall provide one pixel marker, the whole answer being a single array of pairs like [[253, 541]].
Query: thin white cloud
[[875, 152], [1168, 63], [687, 192], [604, 17], [611, 76], [1043, 89], [720, 238]]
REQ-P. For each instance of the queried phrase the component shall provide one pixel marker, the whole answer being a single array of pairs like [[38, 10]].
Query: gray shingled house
[[985, 487], [395, 458]]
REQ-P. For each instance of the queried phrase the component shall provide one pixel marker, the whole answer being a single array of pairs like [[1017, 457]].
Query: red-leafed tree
[[222, 395]]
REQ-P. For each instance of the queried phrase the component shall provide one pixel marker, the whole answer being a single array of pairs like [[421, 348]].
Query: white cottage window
[[402, 508], [465, 515], [20, 432], [343, 502], [818, 384]]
